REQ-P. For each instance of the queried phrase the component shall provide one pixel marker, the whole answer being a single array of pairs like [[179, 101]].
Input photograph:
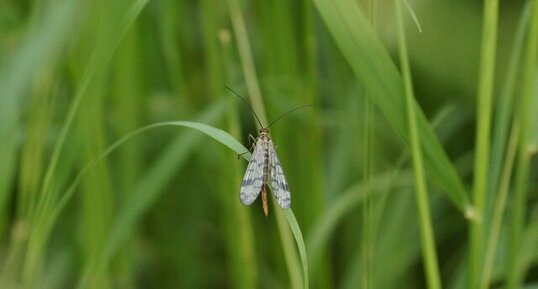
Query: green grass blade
[[413, 15], [239, 226], [149, 188], [498, 210], [529, 244], [42, 45], [501, 172], [349, 199], [292, 221], [290, 254], [144, 196], [98, 61], [48, 195], [255, 95], [247, 61], [368, 229], [159, 207], [372, 64], [421, 190], [353, 196], [482, 138], [505, 101], [96, 197], [516, 264]]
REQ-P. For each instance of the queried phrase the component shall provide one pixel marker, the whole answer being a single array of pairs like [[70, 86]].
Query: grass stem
[[421, 191], [516, 270], [482, 145]]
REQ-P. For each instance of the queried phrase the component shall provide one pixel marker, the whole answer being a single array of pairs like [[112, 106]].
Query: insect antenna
[[293, 110], [247, 104]]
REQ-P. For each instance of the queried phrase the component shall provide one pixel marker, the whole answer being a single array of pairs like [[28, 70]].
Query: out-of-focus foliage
[[162, 209]]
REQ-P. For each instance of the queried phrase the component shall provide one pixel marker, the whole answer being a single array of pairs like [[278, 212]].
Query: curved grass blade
[[126, 221], [349, 199], [43, 45], [353, 196], [300, 244], [373, 65], [413, 15], [49, 195]]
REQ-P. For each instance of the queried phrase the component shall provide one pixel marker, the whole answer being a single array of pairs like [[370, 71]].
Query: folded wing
[[253, 179], [279, 185]]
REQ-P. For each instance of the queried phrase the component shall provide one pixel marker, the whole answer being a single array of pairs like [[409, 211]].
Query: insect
[[264, 168]]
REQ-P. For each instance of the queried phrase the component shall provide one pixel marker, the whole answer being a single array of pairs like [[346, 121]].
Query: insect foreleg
[[252, 144], [251, 140], [241, 154]]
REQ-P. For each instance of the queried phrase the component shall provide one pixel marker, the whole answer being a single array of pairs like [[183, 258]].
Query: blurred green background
[[161, 209]]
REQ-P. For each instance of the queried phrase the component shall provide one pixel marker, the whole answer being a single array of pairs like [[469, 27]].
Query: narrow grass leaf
[[48, 195], [146, 193], [523, 167], [372, 64], [41, 46], [253, 87], [482, 136], [498, 209], [149, 188], [413, 15], [290, 253], [96, 64], [292, 221], [349, 199], [505, 102], [429, 255]]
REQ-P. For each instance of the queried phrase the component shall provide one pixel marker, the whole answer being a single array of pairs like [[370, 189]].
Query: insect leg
[[241, 154], [252, 144], [251, 140]]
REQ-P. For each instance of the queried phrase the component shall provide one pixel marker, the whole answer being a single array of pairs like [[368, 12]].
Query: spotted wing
[[253, 179], [279, 185]]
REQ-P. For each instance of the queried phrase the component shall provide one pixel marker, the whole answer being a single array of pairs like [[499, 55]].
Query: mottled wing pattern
[[279, 185], [253, 179]]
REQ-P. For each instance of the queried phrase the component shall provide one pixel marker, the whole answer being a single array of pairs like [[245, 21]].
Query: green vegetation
[[415, 168]]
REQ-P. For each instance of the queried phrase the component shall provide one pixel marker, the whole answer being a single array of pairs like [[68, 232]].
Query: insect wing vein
[[253, 179], [279, 185]]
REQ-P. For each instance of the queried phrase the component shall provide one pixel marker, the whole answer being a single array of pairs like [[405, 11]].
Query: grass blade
[[42, 45], [253, 88], [292, 221], [49, 195], [482, 138], [372, 64], [516, 264], [143, 196], [149, 188], [421, 190]]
